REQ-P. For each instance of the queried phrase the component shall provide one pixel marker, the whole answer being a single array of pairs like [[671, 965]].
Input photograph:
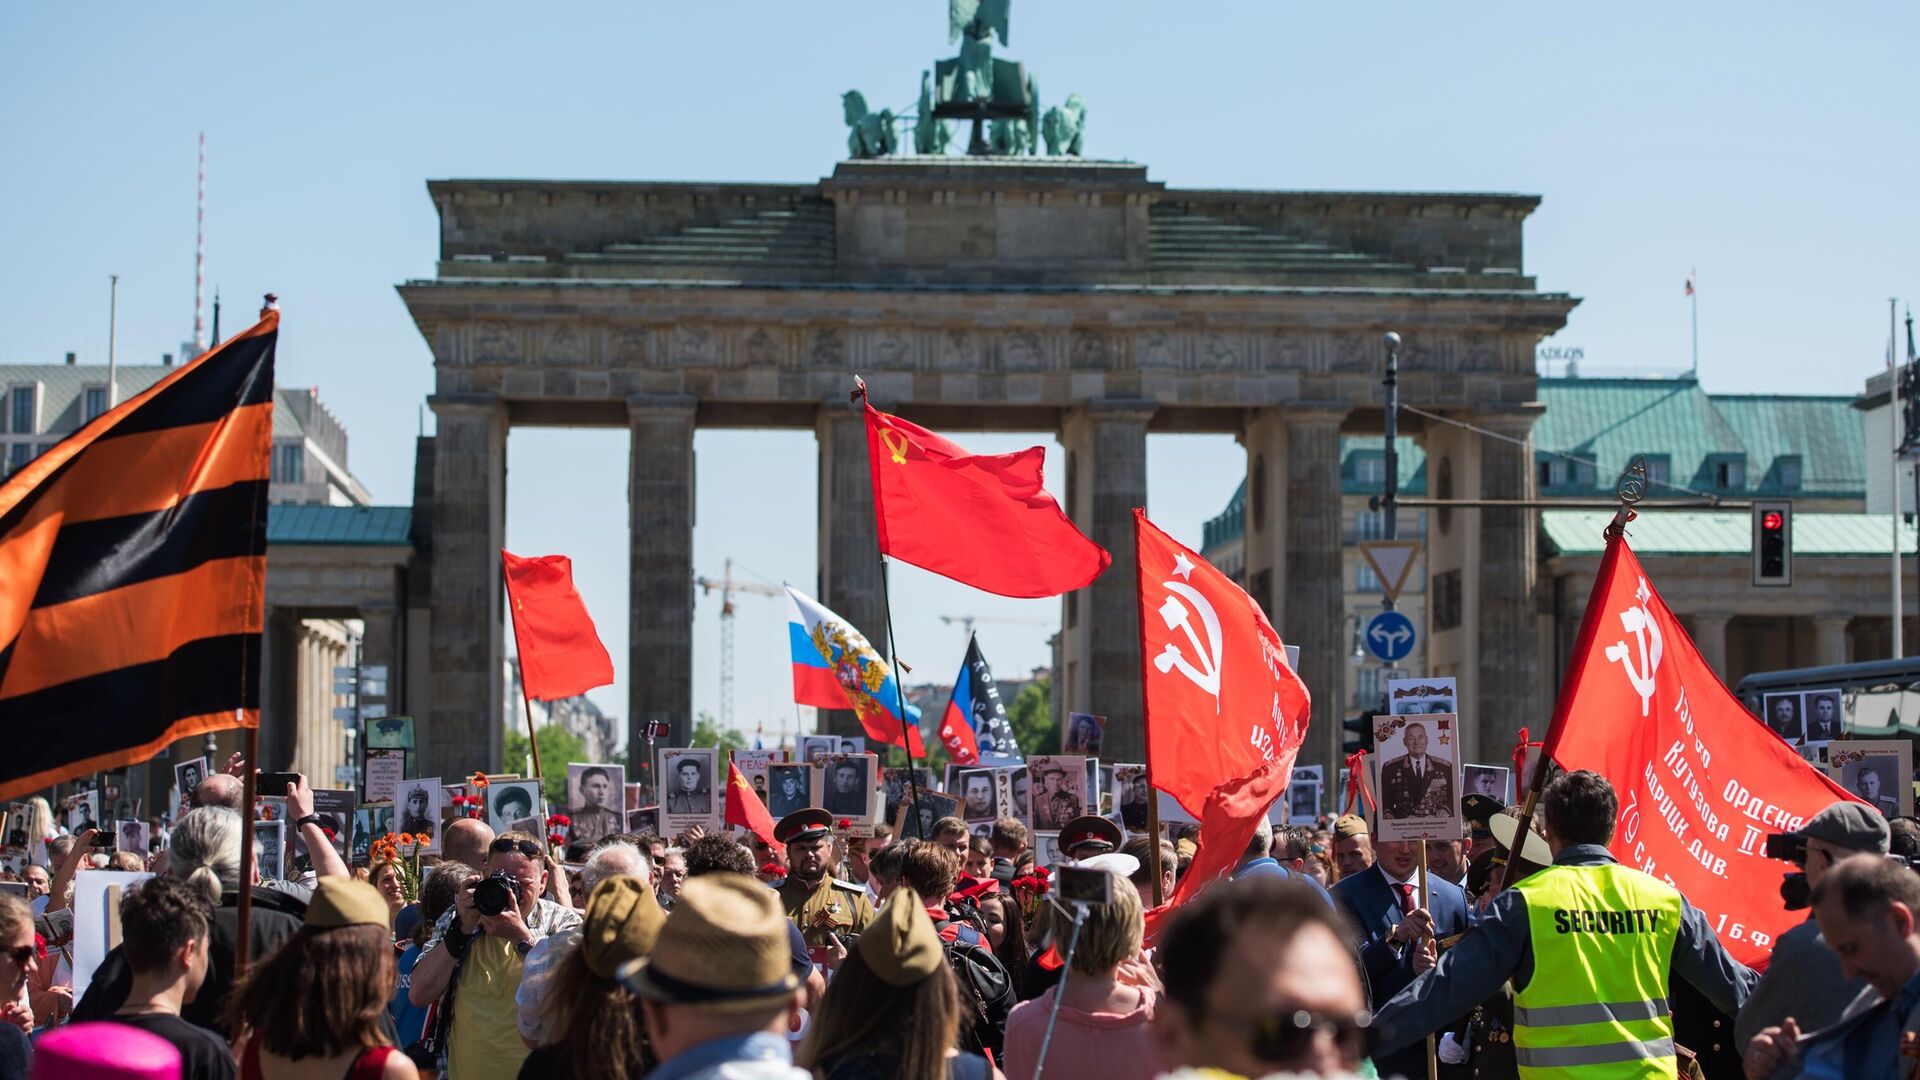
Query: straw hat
[[725, 947]]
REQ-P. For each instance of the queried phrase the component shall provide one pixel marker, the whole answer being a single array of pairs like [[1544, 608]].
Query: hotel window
[[96, 403], [20, 410]]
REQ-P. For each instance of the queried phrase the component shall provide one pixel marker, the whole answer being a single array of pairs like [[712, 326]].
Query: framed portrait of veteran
[[917, 818], [687, 783], [509, 801], [846, 784], [596, 800], [1418, 774], [1877, 771]]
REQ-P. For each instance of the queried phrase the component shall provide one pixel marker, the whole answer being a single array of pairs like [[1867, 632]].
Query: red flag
[[981, 519], [1225, 715], [1701, 781], [745, 809], [560, 654]]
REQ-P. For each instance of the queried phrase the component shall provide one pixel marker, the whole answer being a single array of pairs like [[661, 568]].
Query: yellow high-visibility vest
[[1596, 1007]]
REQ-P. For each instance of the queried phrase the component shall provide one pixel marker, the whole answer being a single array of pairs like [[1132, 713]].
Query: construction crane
[[727, 586]]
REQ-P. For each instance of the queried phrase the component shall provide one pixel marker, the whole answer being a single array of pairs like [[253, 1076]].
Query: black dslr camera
[[1787, 847], [496, 893]]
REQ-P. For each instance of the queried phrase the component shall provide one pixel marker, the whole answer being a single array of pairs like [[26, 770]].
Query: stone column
[[380, 644], [1709, 631], [849, 543], [660, 589], [462, 732], [1106, 443], [1830, 639], [1509, 683], [1293, 553]]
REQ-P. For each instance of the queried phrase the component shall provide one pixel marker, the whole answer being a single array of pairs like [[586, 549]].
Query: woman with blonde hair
[[1104, 1031], [315, 1009]]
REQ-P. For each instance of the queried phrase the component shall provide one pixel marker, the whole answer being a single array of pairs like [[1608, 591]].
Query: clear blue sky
[[1770, 146]]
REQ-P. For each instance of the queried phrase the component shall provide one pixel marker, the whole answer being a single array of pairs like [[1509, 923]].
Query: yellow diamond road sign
[[1392, 562]]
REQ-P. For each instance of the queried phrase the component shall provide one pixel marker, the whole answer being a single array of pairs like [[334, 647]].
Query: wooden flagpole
[[1146, 728]]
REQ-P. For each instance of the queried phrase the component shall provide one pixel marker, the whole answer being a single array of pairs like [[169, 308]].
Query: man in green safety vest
[[1589, 946]]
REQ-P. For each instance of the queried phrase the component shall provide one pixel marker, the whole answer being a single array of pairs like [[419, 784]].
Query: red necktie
[[1405, 889]]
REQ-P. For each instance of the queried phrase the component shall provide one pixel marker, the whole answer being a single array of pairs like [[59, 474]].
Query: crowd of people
[[1516, 951]]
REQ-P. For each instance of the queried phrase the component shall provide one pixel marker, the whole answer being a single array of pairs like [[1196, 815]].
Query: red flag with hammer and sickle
[[1701, 781], [1225, 715], [983, 520]]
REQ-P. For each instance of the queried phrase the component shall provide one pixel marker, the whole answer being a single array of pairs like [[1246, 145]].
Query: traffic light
[[1773, 544], [1359, 733]]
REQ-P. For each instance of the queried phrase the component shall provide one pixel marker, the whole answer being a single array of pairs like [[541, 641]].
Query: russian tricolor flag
[[834, 667]]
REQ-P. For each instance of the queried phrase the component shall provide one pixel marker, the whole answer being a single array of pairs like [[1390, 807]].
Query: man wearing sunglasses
[[481, 958], [1260, 979], [1607, 937]]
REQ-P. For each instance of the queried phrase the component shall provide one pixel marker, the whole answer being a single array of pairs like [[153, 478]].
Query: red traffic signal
[[1772, 521], [1773, 544]]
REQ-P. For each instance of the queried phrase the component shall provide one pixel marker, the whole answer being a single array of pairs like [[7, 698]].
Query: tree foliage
[[558, 746], [1031, 714]]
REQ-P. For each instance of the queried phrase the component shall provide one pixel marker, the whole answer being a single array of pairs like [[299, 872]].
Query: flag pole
[[1693, 303], [249, 788], [900, 692], [1631, 488], [859, 397], [519, 647], [1146, 729], [1433, 1060]]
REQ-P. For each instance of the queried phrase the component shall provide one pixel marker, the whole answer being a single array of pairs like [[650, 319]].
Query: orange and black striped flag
[[133, 573]]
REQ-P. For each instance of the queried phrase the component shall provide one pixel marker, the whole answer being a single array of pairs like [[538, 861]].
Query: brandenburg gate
[[1072, 297]]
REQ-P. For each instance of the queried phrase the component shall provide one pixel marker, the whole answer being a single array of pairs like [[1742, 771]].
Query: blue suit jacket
[[1372, 906]]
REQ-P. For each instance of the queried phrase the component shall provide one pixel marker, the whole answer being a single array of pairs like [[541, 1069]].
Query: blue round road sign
[[1389, 636]]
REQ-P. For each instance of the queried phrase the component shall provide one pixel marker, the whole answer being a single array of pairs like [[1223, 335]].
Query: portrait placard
[[1824, 714], [390, 733], [978, 799], [1130, 797], [596, 800], [371, 821], [809, 747], [417, 810], [385, 770], [336, 806], [644, 821], [131, 836], [898, 791], [1046, 850], [1419, 777], [1057, 790], [789, 788], [1085, 734], [1782, 715], [1431, 696], [1878, 771], [687, 778], [509, 801], [270, 839], [846, 783], [1303, 802], [1489, 780], [933, 806]]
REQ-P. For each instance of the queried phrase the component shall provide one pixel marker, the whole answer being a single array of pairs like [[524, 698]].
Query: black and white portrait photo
[[271, 839], [846, 786], [1085, 733], [788, 788], [1489, 780], [1782, 714], [596, 800], [1130, 796], [976, 794], [1057, 790], [509, 801], [417, 809], [1823, 715]]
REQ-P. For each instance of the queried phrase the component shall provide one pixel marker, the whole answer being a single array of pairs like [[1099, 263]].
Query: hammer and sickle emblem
[[1207, 654], [1637, 621], [896, 444]]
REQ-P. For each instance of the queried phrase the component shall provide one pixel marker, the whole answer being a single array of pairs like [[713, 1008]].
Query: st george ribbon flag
[[983, 520], [560, 652], [975, 727], [1701, 781], [835, 668], [1225, 715], [133, 572]]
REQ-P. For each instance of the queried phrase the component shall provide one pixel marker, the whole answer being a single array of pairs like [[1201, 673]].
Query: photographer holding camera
[[473, 963], [1804, 979]]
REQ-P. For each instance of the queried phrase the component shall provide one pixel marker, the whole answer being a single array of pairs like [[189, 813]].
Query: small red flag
[[745, 809], [983, 520], [1701, 781], [1225, 715], [560, 654]]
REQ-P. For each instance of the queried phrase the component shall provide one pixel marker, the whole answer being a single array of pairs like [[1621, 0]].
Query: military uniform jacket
[[832, 906], [689, 802]]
